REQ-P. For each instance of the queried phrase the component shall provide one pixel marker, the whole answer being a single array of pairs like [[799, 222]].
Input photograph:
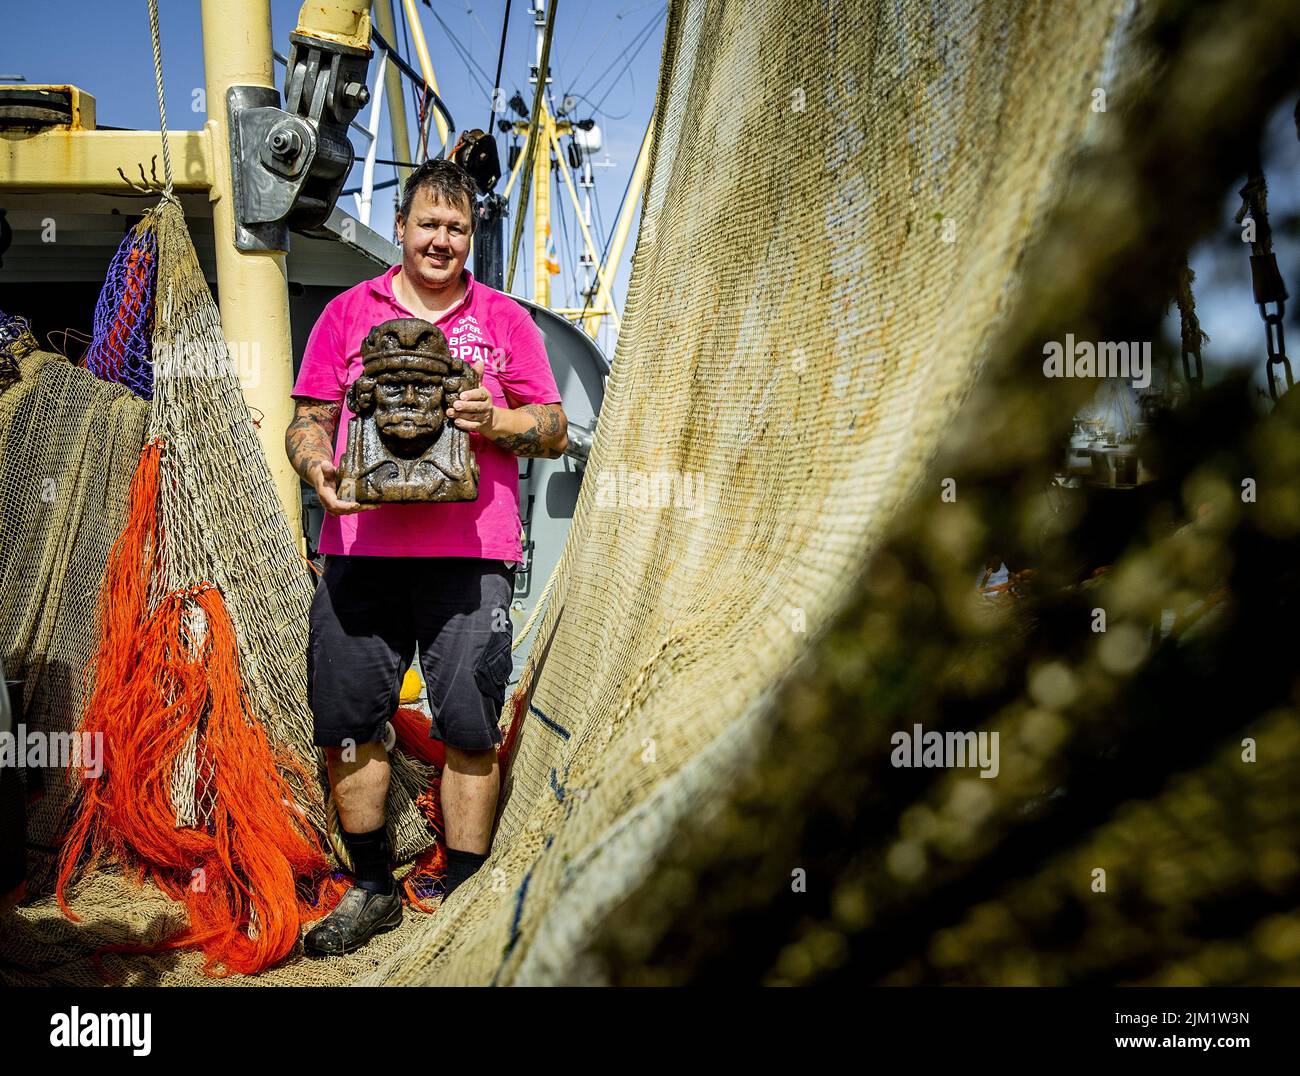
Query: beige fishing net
[[67, 452], [854, 211]]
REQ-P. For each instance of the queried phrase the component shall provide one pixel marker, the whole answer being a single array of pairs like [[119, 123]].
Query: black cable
[[465, 54], [374, 187], [627, 68], [582, 21], [627, 10], [501, 56], [607, 115], [415, 78]]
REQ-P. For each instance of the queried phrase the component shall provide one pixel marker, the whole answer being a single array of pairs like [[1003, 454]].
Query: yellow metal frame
[[426, 65], [66, 159]]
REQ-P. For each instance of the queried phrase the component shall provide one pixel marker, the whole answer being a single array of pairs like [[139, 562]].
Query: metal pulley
[[289, 164]]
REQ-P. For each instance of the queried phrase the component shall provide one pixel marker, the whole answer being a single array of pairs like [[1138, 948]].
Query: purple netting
[[124, 314]]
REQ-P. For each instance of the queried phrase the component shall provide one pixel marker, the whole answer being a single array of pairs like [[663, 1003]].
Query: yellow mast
[[591, 317], [383, 10], [252, 287], [542, 209], [605, 296]]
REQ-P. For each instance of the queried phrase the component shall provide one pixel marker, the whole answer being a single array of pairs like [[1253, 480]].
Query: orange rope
[[160, 677]]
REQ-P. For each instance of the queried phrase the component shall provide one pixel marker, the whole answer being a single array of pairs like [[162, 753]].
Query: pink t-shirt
[[485, 326]]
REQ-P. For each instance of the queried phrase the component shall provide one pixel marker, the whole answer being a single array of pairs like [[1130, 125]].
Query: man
[[438, 577]]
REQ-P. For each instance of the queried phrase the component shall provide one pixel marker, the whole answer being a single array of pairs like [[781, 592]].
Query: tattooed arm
[[309, 441], [531, 430]]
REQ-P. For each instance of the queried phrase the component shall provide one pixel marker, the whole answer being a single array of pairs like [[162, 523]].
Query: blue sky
[[104, 48]]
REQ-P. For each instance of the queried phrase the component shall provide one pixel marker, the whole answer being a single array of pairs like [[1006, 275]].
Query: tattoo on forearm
[[540, 439], [310, 435]]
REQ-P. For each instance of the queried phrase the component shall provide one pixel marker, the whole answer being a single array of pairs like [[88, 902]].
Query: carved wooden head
[[403, 383]]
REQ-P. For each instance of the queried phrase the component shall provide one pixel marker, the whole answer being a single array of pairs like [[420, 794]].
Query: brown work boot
[[359, 915]]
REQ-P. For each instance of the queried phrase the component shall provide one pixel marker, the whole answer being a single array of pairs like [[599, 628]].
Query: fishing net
[[854, 212], [197, 641], [15, 338], [67, 450], [119, 350]]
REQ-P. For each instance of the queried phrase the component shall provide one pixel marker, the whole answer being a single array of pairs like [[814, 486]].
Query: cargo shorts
[[368, 618]]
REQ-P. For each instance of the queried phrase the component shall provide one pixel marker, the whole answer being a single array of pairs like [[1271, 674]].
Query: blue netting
[[124, 314], [15, 340]]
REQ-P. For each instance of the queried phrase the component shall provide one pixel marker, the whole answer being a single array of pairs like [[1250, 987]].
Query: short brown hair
[[447, 182]]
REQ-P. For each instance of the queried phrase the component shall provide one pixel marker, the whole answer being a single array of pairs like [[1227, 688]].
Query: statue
[[401, 448]]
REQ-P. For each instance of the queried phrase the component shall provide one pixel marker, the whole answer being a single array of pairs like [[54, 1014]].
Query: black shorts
[[367, 619]]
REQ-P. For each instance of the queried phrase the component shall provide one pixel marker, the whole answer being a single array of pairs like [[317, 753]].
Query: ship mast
[[540, 133]]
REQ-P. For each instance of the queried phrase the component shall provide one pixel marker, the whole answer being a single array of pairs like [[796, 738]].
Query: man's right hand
[[324, 477]]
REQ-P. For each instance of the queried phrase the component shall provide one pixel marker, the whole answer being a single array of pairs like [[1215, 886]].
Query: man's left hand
[[474, 411]]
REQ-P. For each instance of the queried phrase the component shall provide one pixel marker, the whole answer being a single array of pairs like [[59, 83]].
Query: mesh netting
[[15, 339], [119, 350], [67, 452], [223, 531]]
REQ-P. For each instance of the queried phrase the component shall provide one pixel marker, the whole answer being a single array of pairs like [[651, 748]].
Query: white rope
[[537, 609], [162, 107]]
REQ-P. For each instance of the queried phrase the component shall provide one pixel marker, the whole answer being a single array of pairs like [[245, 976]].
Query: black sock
[[369, 852], [460, 867]]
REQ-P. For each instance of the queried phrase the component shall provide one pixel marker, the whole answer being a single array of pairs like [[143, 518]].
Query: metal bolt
[[285, 143], [356, 94]]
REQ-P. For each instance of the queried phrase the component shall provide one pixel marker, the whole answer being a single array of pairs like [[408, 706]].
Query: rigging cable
[[582, 21], [609, 239], [628, 10], [469, 10], [633, 43], [467, 57], [607, 115], [534, 132], [501, 55], [627, 67], [558, 196]]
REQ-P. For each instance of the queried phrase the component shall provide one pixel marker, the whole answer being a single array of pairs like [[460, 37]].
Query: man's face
[[435, 241]]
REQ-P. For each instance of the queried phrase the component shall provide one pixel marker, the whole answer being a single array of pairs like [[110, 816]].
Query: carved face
[[408, 411], [406, 364]]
